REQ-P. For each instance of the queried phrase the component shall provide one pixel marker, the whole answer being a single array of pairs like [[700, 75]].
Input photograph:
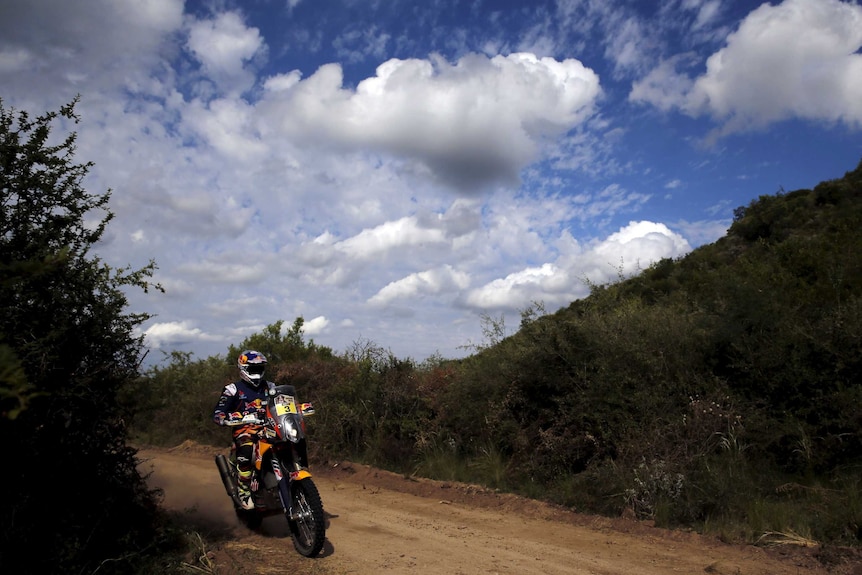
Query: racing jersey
[[239, 399]]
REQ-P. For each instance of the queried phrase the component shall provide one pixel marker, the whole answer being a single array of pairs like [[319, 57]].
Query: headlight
[[289, 427]]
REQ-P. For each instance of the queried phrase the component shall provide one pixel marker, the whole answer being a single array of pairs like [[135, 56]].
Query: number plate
[[284, 404]]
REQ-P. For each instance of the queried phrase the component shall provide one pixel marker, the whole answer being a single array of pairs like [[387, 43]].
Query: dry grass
[[772, 538], [203, 559]]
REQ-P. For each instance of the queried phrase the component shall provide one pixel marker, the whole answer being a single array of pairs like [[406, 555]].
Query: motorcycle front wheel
[[306, 519]]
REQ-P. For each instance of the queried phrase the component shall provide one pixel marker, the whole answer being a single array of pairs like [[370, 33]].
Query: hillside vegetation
[[719, 391]]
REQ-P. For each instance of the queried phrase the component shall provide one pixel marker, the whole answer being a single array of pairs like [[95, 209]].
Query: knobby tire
[[309, 529]]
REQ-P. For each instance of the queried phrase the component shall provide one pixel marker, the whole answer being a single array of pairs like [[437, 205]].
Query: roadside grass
[[487, 467], [794, 514], [735, 503]]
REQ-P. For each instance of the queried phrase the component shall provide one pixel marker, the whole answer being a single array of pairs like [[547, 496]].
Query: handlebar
[[247, 420], [251, 419]]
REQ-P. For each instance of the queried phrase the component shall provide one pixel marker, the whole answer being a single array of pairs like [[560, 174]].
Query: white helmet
[[251, 365]]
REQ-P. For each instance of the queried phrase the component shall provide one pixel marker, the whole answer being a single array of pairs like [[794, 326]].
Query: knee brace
[[244, 453]]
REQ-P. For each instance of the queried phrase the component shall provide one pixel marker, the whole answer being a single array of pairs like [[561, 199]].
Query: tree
[[74, 496]]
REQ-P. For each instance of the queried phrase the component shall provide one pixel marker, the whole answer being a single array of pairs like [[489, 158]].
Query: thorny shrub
[[654, 484]]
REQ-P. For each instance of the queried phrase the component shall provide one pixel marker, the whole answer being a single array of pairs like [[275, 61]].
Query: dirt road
[[385, 523]]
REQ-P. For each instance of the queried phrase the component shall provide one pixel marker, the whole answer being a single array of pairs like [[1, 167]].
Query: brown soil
[[381, 522]]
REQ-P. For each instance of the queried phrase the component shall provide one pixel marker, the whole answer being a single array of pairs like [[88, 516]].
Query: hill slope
[[701, 385]]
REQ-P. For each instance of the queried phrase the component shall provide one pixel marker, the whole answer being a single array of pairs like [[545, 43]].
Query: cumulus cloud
[[623, 253], [315, 325], [404, 242], [518, 288], [798, 59], [57, 49], [227, 125], [223, 45], [474, 122], [431, 282], [172, 333], [388, 236], [438, 184], [639, 244]]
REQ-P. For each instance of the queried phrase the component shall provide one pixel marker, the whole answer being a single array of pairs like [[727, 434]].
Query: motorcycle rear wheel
[[307, 523]]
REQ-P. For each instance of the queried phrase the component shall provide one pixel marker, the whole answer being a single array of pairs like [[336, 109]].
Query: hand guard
[[252, 419], [230, 418]]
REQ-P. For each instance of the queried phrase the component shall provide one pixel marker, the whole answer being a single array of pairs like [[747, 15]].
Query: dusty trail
[[384, 523]]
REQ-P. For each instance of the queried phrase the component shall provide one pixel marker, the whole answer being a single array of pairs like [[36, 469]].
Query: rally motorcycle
[[281, 481]]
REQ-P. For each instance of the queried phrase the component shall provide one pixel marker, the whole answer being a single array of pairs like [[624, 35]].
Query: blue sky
[[393, 171]]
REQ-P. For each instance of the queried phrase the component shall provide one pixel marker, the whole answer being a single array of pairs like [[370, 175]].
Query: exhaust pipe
[[224, 471]]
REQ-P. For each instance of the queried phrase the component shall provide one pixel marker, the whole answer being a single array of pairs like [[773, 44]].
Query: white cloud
[[522, 287], [664, 86], [478, 121], [57, 49], [223, 46], [172, 333], [389, 236], [798, 59], [15, 60], [626, 46], [315, 326], [706, 13], [431, 282], [626, 252], [226, 125], [395, 203], [231, 267], [639, 244]]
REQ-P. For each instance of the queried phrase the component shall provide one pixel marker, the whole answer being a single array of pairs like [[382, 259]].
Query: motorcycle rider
[[239, 399]]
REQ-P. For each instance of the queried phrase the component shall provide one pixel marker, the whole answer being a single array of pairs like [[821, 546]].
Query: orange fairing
[[262, 448], [249, 429]]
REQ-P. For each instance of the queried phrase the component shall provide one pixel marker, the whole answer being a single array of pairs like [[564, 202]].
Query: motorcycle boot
[[243, 490]]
